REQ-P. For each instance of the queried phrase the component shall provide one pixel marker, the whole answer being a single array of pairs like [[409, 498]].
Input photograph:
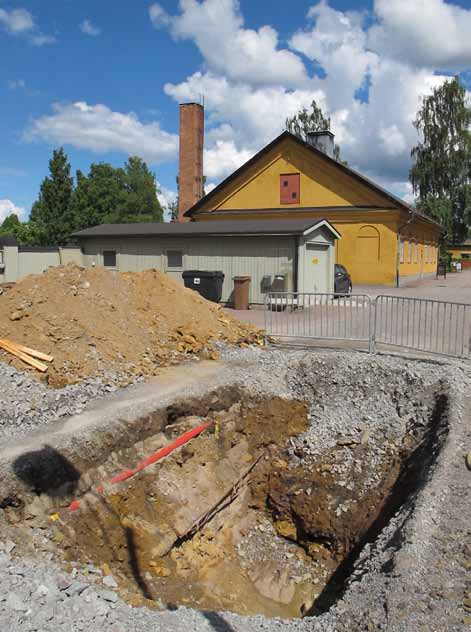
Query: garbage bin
[[206, 283], [241, 292]]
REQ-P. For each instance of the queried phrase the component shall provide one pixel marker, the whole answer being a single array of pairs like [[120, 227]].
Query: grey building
[[302, 250]]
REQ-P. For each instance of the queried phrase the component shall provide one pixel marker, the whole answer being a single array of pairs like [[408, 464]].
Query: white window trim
[[401, 251]]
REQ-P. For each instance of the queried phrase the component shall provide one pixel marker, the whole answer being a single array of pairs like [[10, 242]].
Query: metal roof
[[294, 226]]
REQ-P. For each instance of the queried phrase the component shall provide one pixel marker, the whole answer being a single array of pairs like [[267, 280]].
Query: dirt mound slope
[[95, 322]]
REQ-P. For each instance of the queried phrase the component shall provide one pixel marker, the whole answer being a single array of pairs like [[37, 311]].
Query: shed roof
[[8, 240], [291, 226]]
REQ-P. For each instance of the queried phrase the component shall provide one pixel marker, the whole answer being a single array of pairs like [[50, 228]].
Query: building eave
[[396, 201]]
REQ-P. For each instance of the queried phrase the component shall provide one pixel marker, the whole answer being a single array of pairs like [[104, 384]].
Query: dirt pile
[[96, 323]]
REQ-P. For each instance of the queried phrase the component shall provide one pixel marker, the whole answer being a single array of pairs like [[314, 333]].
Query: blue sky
[[104, 80]]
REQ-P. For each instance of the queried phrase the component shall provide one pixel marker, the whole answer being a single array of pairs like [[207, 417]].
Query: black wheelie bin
[[207, 283]]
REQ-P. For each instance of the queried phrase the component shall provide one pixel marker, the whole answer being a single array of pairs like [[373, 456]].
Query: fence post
[[372, 327], [267, 303]]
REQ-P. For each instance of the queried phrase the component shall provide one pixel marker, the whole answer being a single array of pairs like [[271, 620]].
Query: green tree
[[310, 121], [10, 225], [51, 217], [442, 159], [99, 197], [109, 194], [142, 203]]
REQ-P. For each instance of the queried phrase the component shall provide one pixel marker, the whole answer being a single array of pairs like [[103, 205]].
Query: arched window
[[368, 245]]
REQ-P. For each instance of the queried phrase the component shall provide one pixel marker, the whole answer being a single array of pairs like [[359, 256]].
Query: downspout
[[398, 256]]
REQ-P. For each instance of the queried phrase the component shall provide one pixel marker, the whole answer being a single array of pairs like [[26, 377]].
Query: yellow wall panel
[[320, 183], [369, 244]]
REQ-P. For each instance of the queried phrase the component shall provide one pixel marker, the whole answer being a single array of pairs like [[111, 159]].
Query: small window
[[174, 259], [401, 251], [409, 251], [109, 258], [285, 183], [1, 257]]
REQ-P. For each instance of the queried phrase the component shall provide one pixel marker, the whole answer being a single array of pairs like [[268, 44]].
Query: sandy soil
[[96, 322]]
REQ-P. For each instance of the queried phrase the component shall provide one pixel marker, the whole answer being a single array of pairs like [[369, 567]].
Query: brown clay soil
[[95, 322]]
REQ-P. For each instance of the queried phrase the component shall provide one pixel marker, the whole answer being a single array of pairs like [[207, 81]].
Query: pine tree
[[440, 175], [51, 219], [142, 203]]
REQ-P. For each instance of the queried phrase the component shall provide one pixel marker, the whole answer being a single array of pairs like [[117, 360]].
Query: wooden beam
[[23, 356], [32, 352]]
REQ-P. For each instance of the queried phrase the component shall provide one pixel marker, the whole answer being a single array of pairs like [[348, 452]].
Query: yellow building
[[383, 239], [462, 252]]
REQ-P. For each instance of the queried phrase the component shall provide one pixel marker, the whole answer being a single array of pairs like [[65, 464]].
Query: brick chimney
[[190, 170]]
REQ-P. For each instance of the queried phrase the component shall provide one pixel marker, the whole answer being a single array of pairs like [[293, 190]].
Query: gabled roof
[[396, 201], [292, 226]]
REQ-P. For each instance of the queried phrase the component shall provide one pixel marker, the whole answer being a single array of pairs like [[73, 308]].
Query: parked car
[[342, 280]]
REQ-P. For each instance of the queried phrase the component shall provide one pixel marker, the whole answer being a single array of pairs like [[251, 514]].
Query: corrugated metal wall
[[235, 256]]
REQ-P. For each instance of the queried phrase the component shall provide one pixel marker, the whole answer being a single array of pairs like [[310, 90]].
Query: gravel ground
[[28, 404], [414, 576]]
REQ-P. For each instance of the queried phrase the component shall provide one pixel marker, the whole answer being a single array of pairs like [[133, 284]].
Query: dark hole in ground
[[280, 541]]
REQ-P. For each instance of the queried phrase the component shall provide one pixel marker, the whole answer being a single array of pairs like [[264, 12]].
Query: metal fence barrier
[[318, 316], [426, 325]]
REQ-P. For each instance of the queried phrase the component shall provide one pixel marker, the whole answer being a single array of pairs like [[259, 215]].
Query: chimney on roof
[[190, 169], [323, 141]]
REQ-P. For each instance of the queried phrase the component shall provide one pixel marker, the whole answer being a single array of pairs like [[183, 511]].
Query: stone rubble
[[414, 576], [28, 404]]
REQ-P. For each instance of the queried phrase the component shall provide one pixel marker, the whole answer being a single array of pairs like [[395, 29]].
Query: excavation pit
[[267, 511]]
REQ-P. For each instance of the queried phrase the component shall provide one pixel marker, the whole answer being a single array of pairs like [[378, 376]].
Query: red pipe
[[123, 476]]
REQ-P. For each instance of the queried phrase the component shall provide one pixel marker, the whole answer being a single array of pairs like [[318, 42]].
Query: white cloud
[[100, 129], [16, 21], [217, 29], [166, 197], [158, 16], [87, 27], [430, 33], [337, 42], [16, 84], [241, 118], [7, 207], [21, 22], [223, 158], [41, 40], [370, 92]]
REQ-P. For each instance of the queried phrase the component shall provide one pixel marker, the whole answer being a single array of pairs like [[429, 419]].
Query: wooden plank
[[32, 352], [225, 500], [23, 356]]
